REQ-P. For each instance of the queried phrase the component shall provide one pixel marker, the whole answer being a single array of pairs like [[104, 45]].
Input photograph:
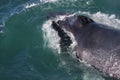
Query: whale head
[[73, 23]]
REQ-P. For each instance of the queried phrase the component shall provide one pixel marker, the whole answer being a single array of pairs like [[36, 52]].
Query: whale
[[97, 44]]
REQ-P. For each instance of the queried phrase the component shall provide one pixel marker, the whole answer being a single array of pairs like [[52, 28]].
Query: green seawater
[[23, 55]]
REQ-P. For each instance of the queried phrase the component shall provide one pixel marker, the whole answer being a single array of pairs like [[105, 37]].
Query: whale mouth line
[[65, 40]]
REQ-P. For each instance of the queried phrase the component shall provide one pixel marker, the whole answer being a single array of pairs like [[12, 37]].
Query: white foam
[[89, 2], [31, 5], [50, 36], [41, 1], [44, 1], [103, 18]]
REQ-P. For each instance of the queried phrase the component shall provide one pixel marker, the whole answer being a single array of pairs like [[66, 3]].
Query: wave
[[17, 9], [10, 11]]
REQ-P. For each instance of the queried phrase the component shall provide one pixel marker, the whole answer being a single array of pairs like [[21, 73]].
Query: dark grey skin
[[97, 44]]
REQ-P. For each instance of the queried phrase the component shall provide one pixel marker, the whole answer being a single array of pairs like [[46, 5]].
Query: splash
[[110, 20], [51, 37]]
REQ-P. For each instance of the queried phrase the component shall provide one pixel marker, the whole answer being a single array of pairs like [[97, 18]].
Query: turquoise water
[[29, 48]]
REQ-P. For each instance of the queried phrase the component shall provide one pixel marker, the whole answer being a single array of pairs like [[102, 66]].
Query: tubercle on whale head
[[75, 22], [84, 20], [67, 21], [64, 24]]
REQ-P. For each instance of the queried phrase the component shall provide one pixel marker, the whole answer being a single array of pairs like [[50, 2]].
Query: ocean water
[[29, 47]]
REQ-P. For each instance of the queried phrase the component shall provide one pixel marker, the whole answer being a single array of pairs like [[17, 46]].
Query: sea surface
[[29, 47]]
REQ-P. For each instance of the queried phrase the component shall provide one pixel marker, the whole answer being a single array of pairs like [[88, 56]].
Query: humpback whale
[[97, 44]]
